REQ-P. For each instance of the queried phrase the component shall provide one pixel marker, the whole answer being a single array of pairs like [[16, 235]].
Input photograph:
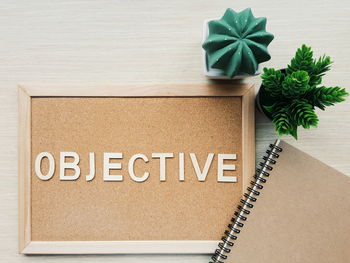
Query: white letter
[[38, 166], [73, 165], [131, 168], [226, 167], [201, 175], [162, 168], [91, 175], [181, 167], [108, 166]]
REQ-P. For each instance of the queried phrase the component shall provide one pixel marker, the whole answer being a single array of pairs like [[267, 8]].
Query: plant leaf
[[295, 84], [325, 96], [303, 114], [302, 60], [272, 80]]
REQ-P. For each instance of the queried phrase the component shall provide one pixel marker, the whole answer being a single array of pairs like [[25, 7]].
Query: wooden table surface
[[153, 42]]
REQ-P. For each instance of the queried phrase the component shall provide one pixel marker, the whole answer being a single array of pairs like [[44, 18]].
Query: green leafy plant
[[291, 95]]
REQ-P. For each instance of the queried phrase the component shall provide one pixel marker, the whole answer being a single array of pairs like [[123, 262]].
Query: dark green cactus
[[237, 42]]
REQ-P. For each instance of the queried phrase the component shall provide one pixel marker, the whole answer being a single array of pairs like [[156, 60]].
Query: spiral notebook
[[296, 210]]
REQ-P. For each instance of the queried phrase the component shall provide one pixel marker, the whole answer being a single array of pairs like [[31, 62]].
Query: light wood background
[[117, 42]]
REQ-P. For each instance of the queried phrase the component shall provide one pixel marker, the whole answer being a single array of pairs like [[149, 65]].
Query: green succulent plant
[[290, 96], [237, 42]]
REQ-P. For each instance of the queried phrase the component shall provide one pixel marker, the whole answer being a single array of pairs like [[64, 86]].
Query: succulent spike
[[302, 60], [230, 17], [260, 37], [272, 79], [251, 64], [258, 49], [303, 114], [245, 19], [215, 42], [219, 55], [281, 119], [257, 26], [221, 27], [236, 59], [295, 84], [326, 96]]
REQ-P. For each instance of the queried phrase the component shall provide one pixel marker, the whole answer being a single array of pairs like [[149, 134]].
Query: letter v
[[201, 175]]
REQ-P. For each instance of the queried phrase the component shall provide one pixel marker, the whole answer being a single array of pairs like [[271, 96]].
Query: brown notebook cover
[[302, 213]]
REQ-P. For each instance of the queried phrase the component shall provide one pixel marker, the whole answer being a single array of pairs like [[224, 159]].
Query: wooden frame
[[25, 93]]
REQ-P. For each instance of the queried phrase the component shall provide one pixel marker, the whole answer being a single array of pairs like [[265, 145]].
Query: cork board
[[171, 211]]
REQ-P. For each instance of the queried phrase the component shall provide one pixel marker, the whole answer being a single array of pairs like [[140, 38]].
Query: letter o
[[51, 171]]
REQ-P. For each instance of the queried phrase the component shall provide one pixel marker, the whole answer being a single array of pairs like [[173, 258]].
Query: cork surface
[[152, 210]]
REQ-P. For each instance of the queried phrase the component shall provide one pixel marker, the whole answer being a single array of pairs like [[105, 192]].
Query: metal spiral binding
[[243, 210]]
